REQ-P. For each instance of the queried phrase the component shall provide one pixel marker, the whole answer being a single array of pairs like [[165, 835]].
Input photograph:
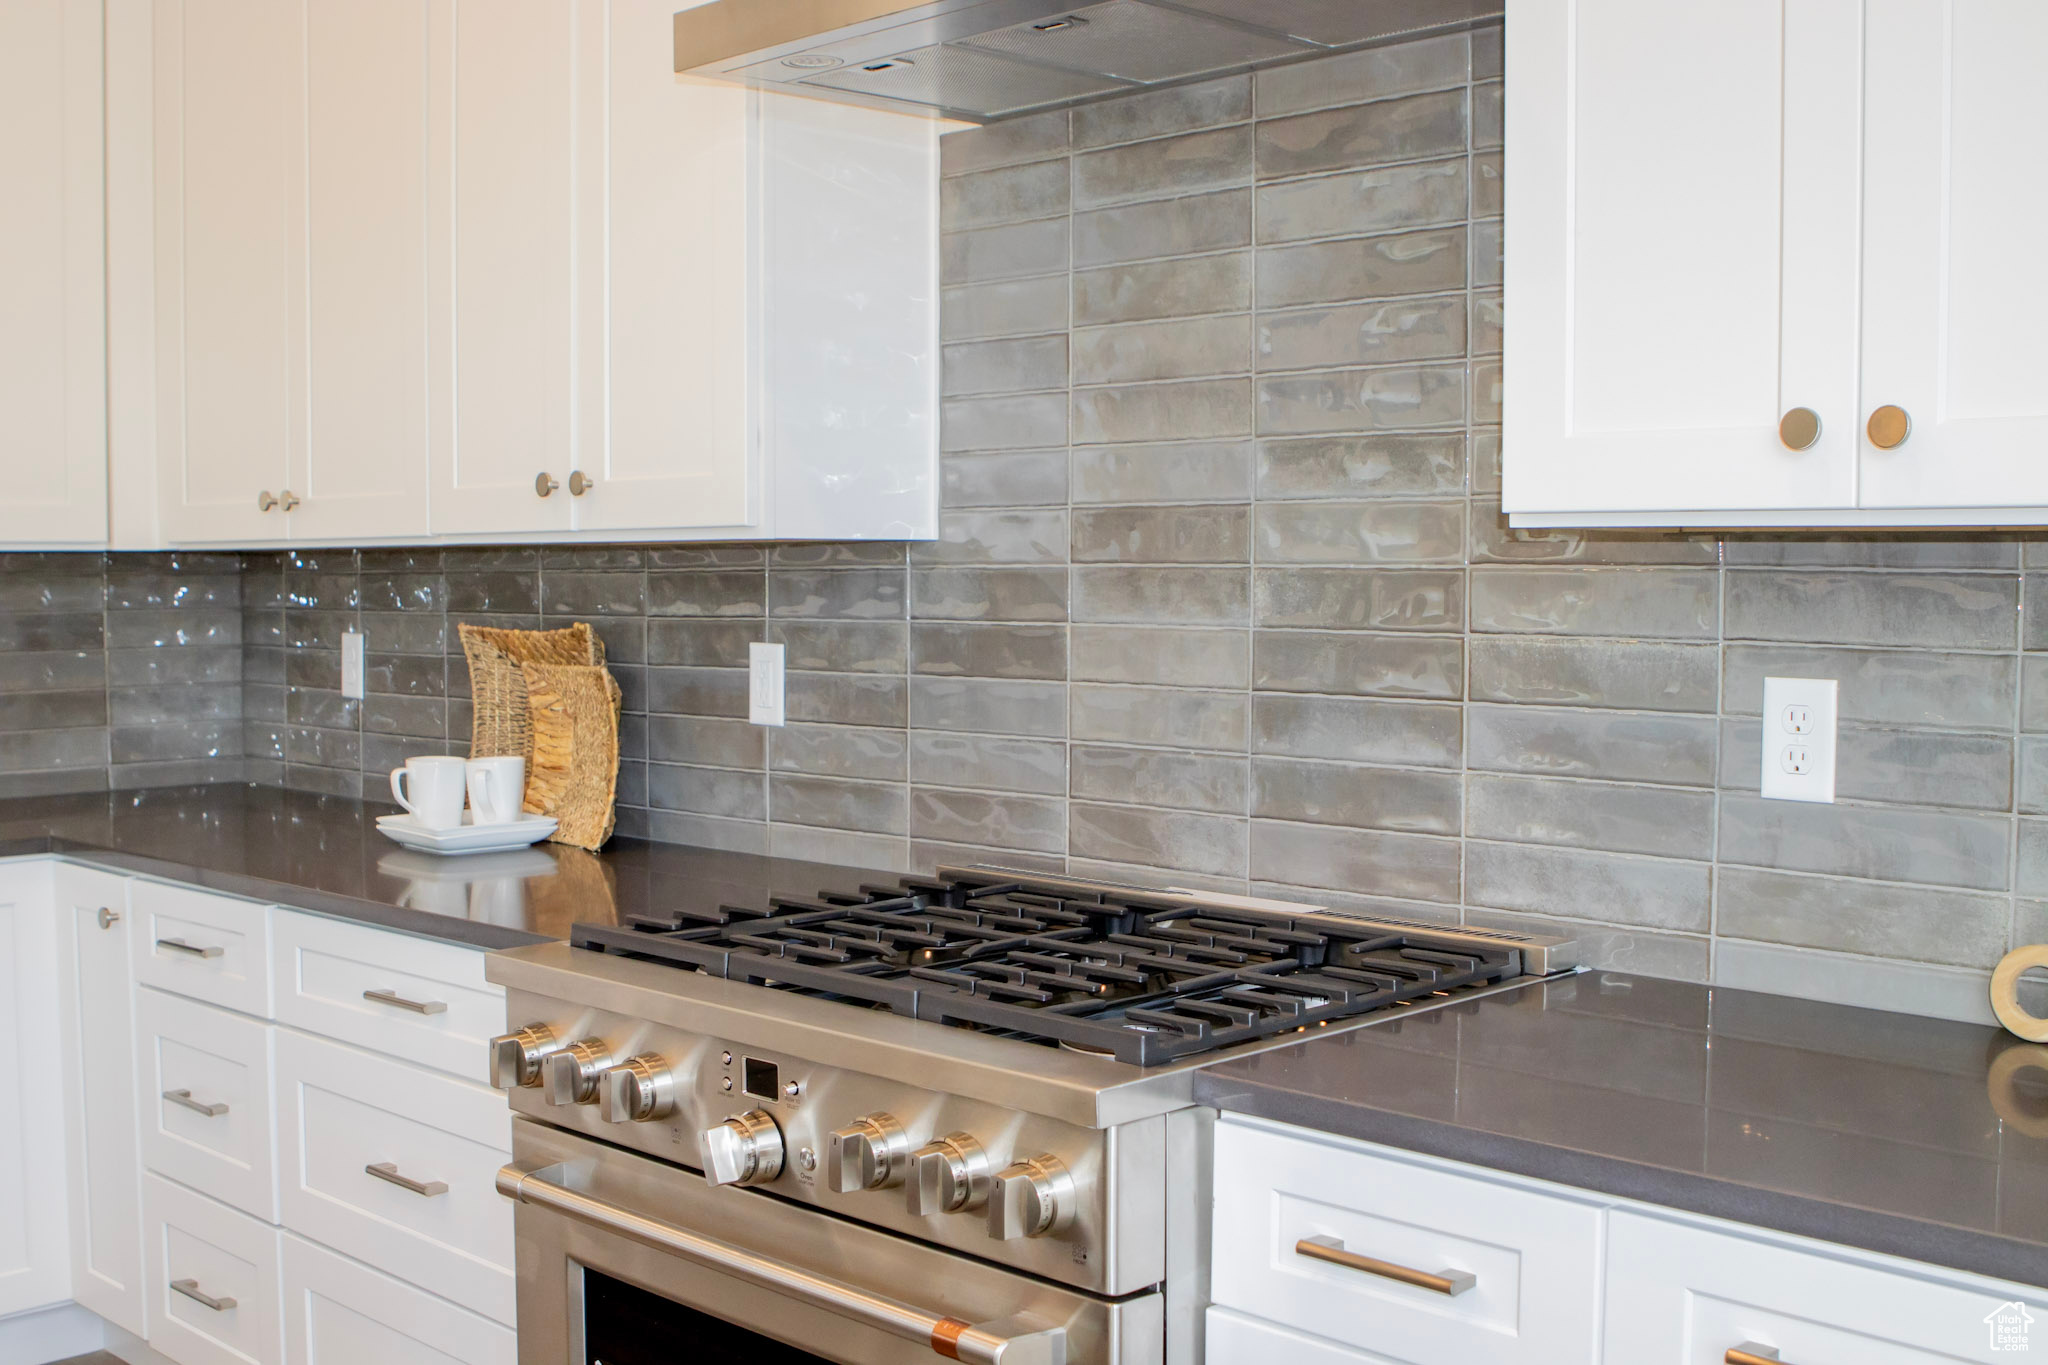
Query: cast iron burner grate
[[1146, 977]]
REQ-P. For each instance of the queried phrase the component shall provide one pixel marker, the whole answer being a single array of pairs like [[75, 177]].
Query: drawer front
[[411, 998], [338, 1312], [225, 1310], [206, 1100], [433, 1217], [1234, 1339], [1686, 1295], [1292, 1207], [212, 948]]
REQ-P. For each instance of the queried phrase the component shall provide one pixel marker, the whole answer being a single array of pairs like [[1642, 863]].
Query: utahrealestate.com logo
[[2008, 1324]]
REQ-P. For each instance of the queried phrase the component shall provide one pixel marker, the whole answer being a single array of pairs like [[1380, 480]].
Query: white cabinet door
[[230, 132], [35, 1260], [1683, 1295], [213, 1276], [665, 329], [373, 163], [510, 84], [53, 367], [98, 1037], [1957, 124], [337, 1312], [1682, 254]]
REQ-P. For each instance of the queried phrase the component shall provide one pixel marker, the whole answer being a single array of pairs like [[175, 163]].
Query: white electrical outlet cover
[[352, 666], [1799, 739], [765, 684]]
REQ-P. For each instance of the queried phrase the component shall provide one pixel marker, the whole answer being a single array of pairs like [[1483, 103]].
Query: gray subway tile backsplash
[[1222, 595]]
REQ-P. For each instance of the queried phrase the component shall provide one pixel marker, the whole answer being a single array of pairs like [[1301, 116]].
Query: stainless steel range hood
[[983, 60]]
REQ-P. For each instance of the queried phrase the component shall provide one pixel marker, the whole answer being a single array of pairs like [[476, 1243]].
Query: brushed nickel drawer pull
[[387, 1171], [183, 1098], [1330, 1249], [1751, 1353], [399, 1002], [190, 1289], [178, 945]]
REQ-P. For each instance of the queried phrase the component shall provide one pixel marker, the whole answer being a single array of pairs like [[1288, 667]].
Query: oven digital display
[[764, 1079]]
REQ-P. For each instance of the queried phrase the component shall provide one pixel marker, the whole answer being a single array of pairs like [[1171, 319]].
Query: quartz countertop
[[1895, 1133], [324, 854]]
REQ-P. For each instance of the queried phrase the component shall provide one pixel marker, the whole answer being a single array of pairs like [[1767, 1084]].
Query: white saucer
[[468, 838]]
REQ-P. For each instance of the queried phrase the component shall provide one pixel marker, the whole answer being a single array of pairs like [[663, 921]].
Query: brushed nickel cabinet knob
[[1889, 427], [291, 500], [544, 484], [580, 483], [1799, 429], [266, 501]]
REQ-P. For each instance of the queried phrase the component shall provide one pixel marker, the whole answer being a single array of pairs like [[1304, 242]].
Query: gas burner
[[1145, 977]]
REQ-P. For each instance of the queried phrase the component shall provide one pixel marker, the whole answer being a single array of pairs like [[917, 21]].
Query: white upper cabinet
[[53, 367], [1729, 219]]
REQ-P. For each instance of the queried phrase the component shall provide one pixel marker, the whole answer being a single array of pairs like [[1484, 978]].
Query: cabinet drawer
[[206, 1100], [224, 1310], [434, 1217], [337, 1312], [1234, 1339], [409, 997], [1532, 1259], [212, 948], [1685, 1295]]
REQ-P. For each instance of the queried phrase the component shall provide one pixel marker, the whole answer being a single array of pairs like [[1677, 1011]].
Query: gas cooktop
[[1146, 977]]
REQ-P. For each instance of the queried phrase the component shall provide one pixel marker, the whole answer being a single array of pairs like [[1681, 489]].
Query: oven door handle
[[1013, 1341]]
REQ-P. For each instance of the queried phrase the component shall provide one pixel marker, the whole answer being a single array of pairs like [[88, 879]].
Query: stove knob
[[746, 1150], [871, 1153], [638, 1090], [516, 1057], [1033, 1198], [947, 1176], [570, 1075]]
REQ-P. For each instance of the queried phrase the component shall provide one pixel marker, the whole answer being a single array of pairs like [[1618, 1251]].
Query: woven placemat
[[500, 725], [573, 773]]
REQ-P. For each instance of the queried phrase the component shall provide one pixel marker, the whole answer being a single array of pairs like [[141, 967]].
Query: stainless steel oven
[[626, 1260]]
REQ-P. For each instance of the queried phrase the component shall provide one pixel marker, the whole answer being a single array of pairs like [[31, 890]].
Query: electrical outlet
[[352, 663], [1799, 739], [765, 684]]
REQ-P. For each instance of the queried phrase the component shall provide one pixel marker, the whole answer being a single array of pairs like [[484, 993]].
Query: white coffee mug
[[431, 788], [497, 789]]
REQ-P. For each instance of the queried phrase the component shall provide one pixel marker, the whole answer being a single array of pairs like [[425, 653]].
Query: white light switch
[[1799, 739], [764, 684], [352, 663]]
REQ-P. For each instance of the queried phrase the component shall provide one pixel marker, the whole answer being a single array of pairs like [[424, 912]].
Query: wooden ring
[[1998, 1084], [2005, 992]]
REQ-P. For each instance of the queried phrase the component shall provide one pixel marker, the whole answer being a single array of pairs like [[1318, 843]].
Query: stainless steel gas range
[[943, 1117]]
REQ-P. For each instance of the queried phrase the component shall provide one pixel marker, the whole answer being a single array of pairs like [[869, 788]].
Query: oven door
[[624, 1260]]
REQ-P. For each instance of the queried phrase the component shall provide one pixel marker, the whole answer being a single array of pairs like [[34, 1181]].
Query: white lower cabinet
[[1685, 1295], [207, 1100], [35, 1263], [397, 1166], [213, 1279], [338, 1312], [1231, 1338]]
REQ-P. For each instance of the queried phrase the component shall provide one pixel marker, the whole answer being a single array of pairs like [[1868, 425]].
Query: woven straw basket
[[546, 696]]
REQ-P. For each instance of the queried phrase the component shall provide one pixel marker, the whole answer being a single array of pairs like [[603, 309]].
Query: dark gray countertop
[[1915, 1137], [324, 854], [1898, 1134]]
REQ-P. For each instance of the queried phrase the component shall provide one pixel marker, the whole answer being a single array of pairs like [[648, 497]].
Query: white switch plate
[[352, 663], [764, 684], [1799, 739]]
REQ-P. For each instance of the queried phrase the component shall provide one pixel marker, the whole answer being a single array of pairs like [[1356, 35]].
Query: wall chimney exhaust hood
[[983, 60]]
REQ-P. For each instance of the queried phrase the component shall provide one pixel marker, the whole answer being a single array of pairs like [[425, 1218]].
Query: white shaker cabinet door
[[1681, 258], [665, 328], [510, 81], [35, 1260], [97, 1030], [1955, 286], [229, 131], [53, 368], [366, 266]]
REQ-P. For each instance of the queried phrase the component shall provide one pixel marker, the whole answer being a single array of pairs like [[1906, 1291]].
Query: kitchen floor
[[96, 1358]]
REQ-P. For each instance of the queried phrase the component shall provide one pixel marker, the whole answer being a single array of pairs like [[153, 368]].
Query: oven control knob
[[947, 1176], [570, 1075], [871, 1153], [1033, 1198], [516, 1057], [638, 1090], [746, 1150]]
